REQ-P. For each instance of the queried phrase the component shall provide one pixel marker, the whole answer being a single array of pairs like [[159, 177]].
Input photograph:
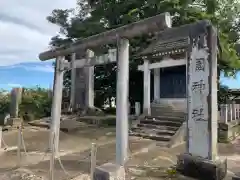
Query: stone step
[[171, 113], [161, 109], [161, 122], [164, 107], [152, 126], [166, 118], [151, 136], [155, 131], [167, 113]]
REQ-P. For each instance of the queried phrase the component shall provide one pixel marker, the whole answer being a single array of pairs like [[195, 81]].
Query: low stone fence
[[229, 112], [228, 122]]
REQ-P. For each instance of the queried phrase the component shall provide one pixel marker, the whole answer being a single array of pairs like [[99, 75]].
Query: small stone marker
[[16, 96], [109, 171]]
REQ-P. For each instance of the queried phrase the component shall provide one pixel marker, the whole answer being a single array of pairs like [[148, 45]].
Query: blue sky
[[26, 75], [25, 33], [231, 82]]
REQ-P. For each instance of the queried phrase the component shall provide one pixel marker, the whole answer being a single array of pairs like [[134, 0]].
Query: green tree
[[94, 16], [4, 102], [36, 101]]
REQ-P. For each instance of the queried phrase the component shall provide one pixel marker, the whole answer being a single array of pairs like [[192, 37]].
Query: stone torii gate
[[119, 36]]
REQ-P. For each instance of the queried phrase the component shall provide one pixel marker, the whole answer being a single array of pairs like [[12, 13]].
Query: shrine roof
[[175, 40], [165, 47]]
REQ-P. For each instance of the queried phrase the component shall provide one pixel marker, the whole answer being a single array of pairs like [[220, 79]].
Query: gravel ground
[[147, 161]]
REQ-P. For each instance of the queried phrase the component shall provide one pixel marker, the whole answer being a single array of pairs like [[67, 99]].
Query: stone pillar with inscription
[[201, 160]]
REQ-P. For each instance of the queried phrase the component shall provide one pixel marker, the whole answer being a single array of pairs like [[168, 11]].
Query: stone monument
[[199, 45], [200, 160], [16, 97]]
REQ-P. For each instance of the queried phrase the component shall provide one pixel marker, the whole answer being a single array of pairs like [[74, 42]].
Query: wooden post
[[19, 156], [93, 159], [52, 158]]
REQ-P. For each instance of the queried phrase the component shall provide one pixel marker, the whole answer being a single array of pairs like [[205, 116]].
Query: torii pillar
[[89, 82]]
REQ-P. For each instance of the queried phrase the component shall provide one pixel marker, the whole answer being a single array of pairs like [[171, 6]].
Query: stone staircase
[[162, 125]]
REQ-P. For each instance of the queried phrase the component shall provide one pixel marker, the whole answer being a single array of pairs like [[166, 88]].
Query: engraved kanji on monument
[[198, 91]]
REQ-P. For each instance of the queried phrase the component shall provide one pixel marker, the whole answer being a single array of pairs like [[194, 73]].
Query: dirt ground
[[146, 161]]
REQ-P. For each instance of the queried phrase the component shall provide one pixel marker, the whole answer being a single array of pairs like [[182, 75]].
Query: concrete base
[[236, 178], [109, 171], [201, 168]]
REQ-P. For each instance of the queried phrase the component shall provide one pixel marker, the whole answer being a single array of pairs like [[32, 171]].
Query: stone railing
[[229, 112]]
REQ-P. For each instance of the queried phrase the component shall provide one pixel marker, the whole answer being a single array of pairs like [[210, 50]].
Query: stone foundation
[[201, 168], [109, 171]]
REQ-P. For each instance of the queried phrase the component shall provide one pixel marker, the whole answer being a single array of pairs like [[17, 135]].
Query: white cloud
[[40, 66], [24, 31], [13, 85], [45, 68]]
